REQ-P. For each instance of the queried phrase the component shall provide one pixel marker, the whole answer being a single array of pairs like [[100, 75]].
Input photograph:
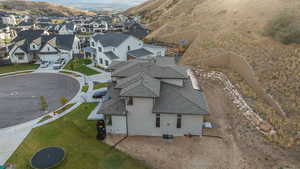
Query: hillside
[[40, 8], [229, 36]]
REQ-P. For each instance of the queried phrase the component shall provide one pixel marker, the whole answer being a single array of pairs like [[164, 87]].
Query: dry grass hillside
[[40, 8], [221, 31]]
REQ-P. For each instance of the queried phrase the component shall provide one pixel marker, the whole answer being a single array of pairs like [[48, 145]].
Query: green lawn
[[79, 65], [66, 107], [45, 118], [70, 73], [99, 85], [85, 88], [78, 137], [17, 67]]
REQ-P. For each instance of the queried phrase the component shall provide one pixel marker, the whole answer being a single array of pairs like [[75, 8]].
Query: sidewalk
[[12, 137]]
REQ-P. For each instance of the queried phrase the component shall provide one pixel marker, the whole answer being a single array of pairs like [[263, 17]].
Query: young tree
[[63, 100], [43, 103]]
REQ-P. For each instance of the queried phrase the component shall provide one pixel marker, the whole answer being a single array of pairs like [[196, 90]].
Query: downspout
[[124, 138]]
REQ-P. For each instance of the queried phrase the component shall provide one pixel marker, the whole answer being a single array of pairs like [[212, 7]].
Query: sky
[[105, 3]]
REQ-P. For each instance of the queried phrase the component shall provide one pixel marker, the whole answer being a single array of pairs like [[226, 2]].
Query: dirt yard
[[241, 146]]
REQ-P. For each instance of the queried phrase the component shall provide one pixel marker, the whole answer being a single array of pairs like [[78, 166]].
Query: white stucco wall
[[118, 125], [142, 121]]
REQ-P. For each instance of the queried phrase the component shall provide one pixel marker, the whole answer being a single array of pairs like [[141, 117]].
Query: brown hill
[[229, 35], [40, 8]]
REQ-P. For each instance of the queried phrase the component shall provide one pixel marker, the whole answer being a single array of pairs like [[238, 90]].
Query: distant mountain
[[96, 4], [42, 8]]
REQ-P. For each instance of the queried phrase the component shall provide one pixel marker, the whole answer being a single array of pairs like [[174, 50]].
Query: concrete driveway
[[20, 95]]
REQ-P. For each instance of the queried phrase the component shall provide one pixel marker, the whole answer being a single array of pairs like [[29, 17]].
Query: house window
[[179, 118], [158, 53], [100, 49], [48, 49], [130, 101], [108, 120], [33, 46], [20, 57], [157, 121], [106, 62], [101, 61], [129, 48], [93, 44]]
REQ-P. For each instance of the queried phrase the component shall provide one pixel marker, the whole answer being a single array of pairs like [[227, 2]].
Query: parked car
[[99, 94], [62, 61], [57, 65], [44, 64]]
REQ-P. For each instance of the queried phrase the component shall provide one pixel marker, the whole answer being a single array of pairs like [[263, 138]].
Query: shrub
[[63, 100], [284, 28]]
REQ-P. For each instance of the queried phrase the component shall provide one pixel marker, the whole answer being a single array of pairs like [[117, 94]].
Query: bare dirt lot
[[241, 146]]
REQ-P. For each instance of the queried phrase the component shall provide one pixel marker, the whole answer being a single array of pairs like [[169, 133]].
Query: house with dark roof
[[137, 30], [153, 98], [33, 45], [115, 46], [26, 24]]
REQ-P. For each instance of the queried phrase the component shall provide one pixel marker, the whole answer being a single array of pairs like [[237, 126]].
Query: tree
[[43, 103], [63, 100]]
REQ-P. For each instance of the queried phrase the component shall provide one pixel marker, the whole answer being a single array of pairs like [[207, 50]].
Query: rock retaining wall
[[262, 126]]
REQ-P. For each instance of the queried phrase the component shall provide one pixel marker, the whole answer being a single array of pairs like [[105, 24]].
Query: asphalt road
[[20, 96]]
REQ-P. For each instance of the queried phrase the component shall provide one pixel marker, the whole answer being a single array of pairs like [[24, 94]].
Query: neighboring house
[[5, 32], [26, 24], [113, 46], [152, 98], [121, 47], [62, 29], [137, 30], [94, 26], [9, 20], [33, 45]]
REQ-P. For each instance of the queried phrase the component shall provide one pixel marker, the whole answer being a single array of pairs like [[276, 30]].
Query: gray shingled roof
[[118, 64], [165, 61], [152, 69], [180, 100], [114, 105], [111, 39], [142, 52], [141, 85], [111, 55]]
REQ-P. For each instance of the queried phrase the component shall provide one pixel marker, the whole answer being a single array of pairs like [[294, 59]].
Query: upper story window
[[130, 101], [48, 48], [33, 46], [93, 44], [179, 119], [100, 49], [129, 48], [157, 121]]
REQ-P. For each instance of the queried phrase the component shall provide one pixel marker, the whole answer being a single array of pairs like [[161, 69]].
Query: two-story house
[[152, 98], [115, 46], [33, 45]]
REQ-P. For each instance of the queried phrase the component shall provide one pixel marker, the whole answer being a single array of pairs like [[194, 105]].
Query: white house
[[33, 45], [152, 99], [9, 20], [62, 29], [110, 47]]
